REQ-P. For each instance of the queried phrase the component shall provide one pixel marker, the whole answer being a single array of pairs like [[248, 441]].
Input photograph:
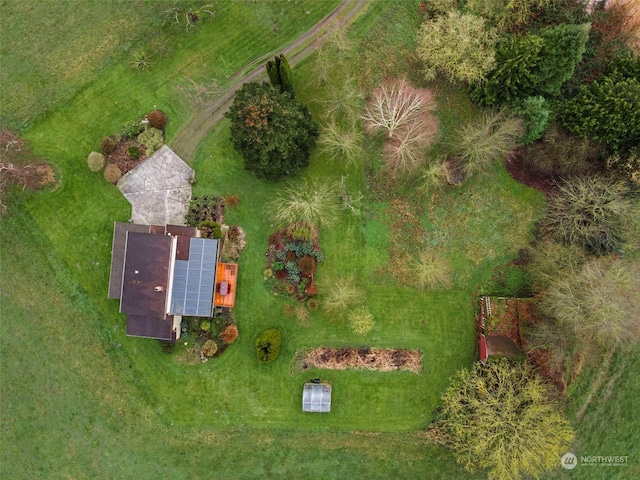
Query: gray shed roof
[[159, 189]]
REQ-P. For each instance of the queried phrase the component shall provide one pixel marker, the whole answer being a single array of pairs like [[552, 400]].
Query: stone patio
[[159, 189]]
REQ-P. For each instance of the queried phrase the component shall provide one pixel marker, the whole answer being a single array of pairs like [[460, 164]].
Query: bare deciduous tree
[[344, 100], [405, 151], [396, 104]]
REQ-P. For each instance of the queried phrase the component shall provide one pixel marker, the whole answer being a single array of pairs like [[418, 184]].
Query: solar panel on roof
[[193, 280]]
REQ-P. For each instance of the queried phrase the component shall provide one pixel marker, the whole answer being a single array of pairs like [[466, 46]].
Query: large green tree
[[459, 46], [536, 64], [500, 417], [597, 304], [608, 109], [272, 131]]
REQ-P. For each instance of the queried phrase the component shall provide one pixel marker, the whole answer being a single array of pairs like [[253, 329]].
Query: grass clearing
[[117, 405]]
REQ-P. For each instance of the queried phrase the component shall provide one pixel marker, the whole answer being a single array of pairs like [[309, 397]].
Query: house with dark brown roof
[[162, 273]]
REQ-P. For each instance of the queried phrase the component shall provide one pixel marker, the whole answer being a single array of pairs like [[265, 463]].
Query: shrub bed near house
[[205, 338], [131, 145], [292, 259]]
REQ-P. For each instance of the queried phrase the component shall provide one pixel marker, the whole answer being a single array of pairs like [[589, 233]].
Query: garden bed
[[121, 158], [381, 360], [291, 262]]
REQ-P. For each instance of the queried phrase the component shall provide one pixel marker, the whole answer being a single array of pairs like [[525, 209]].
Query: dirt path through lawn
[[186, 141]]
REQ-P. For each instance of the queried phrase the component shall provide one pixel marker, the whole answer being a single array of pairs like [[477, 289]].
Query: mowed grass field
[[82, 400]]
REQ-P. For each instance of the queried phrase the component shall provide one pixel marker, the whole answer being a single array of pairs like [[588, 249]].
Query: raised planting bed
[[291, 262], [377, 359]]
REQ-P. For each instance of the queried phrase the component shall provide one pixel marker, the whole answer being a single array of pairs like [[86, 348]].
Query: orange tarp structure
[[224, 294]]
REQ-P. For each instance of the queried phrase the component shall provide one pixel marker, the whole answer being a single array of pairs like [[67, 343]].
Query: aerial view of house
[[363, 239]]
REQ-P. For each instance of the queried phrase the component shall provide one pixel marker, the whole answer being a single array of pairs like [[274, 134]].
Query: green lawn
[[103, 405]]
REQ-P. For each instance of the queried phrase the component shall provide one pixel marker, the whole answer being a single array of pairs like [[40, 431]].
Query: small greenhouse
[[316, 397]]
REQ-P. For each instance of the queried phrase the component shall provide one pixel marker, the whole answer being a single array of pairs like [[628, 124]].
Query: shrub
[[229, 334], [152, 139], [301, 232], [210, 348], [268, 345], [592, 213], [361, 320], [307, 203], [133, 152], [560, 153], [232, 200], [484, 141], [536, 113], [107, 145], [311, 290], [302, 313], [157, 119], [131, 128], [342, 144], [307, 265], [112, 173], [341, 294], [205, 325], [95, 161], [210, 229], [431, 270], [312, 304], [141, 60]]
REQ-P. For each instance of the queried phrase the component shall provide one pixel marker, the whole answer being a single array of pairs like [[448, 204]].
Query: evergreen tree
[[608, 109], [271, 130], [286, 81], [279, 74], [537, 64]]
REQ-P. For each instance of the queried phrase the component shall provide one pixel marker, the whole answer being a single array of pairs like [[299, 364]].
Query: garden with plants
[[372, 181]]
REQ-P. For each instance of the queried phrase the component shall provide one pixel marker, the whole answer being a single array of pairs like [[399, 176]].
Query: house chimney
[[159, 289]]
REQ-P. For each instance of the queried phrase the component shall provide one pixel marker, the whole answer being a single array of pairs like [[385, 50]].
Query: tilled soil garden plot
[[382, 360]]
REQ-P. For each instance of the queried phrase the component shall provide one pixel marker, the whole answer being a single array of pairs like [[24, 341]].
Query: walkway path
[[187, 140]]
